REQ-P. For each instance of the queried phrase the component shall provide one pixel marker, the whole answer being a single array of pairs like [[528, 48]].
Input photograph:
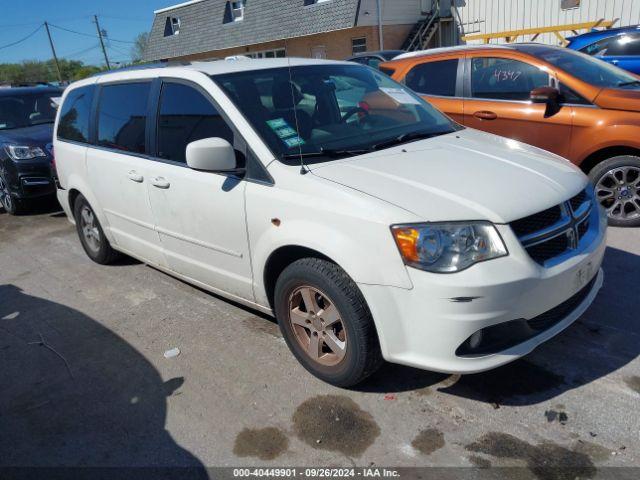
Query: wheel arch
[[77, 186], [280, 259], [602, 154]]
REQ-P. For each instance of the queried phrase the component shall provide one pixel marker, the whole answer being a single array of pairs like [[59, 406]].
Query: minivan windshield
[[28, 109], [330, 111], [588, 69]]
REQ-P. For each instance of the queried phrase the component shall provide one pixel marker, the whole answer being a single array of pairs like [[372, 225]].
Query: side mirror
[[212, 155], [548, 95]]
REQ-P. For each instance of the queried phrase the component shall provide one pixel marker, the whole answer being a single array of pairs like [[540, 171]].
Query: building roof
[[207, 25]]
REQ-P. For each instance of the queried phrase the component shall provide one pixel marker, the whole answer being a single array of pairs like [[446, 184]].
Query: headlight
[[448, 247], [23, 152]]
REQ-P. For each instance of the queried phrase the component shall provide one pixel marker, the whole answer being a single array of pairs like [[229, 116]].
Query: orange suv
[[554, 98]]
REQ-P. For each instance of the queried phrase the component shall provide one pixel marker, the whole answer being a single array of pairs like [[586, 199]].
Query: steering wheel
[[351, 112]]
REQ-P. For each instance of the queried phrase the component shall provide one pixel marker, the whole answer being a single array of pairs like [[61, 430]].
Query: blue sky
[[122, 19]]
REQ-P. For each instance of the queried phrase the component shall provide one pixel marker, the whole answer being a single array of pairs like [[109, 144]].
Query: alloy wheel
[[5, 195], [317, 325], [89, 227], [618, 191]]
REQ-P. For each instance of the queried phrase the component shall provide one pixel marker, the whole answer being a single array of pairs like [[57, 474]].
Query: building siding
[[202, 27], [394, 12], [493, 16]]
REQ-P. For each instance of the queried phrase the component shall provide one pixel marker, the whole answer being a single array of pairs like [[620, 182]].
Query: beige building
[[336, 29]]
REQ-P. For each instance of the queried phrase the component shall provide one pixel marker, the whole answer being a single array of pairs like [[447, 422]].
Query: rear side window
[[624, 45], [74, 115], [122, 116], [434, 78], [185, 116], [505, 79]]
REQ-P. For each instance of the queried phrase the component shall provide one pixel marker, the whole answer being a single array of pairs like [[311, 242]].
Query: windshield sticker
[[293, 141], [285, 132], [400, 95], [277, 123]]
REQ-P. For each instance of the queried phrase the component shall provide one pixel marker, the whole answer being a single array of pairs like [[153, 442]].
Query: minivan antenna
[[303, 168]]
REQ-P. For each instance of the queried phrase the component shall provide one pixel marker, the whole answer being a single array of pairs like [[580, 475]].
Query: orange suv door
[[497, 100], [439, 82]]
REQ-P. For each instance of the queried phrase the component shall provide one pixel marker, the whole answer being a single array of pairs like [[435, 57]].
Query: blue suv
[[619, 46]]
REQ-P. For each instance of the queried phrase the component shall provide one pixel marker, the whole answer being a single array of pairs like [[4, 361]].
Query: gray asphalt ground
[[83, 379]]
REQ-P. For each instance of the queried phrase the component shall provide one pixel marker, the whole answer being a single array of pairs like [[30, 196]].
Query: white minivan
[[371, 225]]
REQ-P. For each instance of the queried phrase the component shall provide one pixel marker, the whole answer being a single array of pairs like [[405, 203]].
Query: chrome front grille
[[554, 233]]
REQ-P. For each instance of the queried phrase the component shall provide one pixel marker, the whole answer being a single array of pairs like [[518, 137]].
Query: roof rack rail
[[144, 66]]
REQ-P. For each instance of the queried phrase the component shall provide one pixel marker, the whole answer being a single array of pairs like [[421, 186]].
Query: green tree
[[139, 47], [34, 71]]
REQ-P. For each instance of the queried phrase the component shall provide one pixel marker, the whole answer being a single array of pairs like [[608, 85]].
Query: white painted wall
[[491, 16], [394, 12]]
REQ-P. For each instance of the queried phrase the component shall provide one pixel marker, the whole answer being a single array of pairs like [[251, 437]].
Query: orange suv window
[[434, 78], [505, 79]]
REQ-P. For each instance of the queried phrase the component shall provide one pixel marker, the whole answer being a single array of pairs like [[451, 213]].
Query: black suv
[[26, 132]]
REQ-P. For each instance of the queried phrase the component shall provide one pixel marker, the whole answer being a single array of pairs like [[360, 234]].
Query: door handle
[[615, 62], [135, 176], [485, 115], [160, 182]]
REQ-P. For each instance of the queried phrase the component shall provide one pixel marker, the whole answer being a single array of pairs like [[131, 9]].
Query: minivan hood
[[619, 99], [466, 175]]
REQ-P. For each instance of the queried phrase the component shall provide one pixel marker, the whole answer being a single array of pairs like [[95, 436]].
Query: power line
[[89, 34], [22, 39], [126, 19], [80, 52]]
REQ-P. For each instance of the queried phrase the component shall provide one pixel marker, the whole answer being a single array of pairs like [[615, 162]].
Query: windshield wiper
[[627, 84], [404, 138], [325, 152]]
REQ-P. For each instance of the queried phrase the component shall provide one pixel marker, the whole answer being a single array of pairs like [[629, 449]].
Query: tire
[[335, 300], [91, 235], [617, 186], [8, 201]]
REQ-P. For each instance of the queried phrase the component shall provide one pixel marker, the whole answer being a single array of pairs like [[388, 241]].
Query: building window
[[237, 11], [234, 11], [569, 4], [358, 45], [171, 26], [276, 53]]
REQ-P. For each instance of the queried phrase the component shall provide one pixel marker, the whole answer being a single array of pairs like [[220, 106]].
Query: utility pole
[[104, 51], [53, 50]]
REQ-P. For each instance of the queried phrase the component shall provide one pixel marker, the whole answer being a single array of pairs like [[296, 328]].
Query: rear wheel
[[92, 237], [326, 322], [9, 202], [617, 188]]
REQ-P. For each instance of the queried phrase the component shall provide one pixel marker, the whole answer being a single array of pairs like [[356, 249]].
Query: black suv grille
[[550, 233]]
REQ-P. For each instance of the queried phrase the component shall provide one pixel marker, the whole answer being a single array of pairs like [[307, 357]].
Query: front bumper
[[425, 326], [31, 178]]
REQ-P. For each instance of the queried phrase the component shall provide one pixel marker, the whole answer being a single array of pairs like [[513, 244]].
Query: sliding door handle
[[160, 182], [135, 176]]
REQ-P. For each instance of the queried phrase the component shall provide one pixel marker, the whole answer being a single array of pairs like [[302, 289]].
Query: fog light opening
[[475, 340]]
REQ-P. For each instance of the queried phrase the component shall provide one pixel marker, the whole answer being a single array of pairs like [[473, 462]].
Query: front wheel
[[617, 188], [8, 201], [326, 322]]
